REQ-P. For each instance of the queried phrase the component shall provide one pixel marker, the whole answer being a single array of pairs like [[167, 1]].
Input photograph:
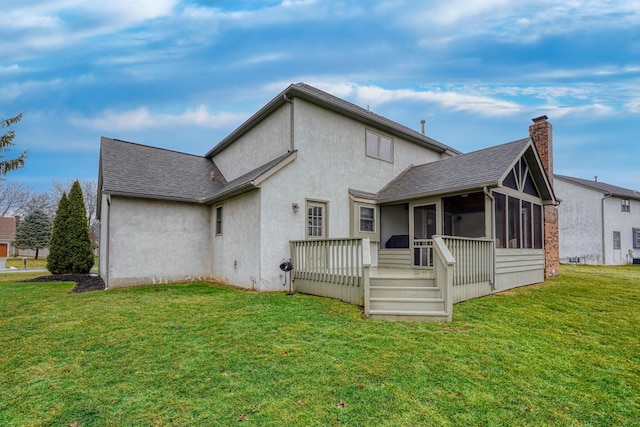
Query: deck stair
[[405, 294]]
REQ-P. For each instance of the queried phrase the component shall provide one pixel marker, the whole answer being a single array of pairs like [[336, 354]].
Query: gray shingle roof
[[333, 103], [246, 179], [459, 173], [602, 187], [138, 170]]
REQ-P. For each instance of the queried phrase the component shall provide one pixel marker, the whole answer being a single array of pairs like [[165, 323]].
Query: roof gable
[[338, 105], [483, 168]]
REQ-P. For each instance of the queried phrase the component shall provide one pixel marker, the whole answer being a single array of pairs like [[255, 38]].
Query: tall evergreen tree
[[6, 142], [80, 243], [34, 231], [58, 245], [70, 247]]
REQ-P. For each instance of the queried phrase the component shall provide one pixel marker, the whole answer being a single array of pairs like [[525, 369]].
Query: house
[[8, 228], [599, 223], [367, 210]]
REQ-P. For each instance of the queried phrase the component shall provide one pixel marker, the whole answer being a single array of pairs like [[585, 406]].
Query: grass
[[32, 263], [37, 264], [563, 353]]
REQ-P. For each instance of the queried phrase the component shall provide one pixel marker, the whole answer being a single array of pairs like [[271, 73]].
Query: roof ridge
[[151, 146]]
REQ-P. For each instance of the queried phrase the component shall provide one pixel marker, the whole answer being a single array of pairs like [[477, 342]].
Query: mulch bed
[[84, 282]]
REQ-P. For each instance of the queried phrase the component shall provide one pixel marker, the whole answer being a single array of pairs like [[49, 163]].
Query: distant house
[[366, 210], [599, 223], [8, 228]]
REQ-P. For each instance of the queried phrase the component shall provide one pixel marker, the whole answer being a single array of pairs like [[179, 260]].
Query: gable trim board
[[180, 191]]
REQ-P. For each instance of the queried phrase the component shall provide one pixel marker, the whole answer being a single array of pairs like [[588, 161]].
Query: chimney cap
[[540, 118]]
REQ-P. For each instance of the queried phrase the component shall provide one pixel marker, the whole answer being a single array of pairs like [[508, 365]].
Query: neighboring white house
[[308, 173], [599, 223]]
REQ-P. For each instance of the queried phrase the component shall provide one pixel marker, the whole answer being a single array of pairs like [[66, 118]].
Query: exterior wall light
[[295, 207]]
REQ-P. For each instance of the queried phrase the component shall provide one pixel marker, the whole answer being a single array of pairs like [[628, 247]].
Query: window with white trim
[[616, 240], [367, 219], [636, 238], [626, 205], [316, 220], [379, 146]]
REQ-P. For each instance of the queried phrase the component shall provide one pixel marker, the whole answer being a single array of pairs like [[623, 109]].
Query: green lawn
[[564, 353], [40, 263]]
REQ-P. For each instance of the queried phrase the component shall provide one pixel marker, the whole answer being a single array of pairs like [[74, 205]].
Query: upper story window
[[379, 146], [626, 205]]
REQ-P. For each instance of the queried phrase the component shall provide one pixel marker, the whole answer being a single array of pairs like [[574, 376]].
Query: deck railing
[[473, 274], [423, 252], [335, 268]]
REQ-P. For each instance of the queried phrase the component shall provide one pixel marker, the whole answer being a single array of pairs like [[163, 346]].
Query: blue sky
[[183, 74]]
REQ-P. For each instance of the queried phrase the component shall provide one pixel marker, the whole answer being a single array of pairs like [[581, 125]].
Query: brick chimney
[[541, 132]]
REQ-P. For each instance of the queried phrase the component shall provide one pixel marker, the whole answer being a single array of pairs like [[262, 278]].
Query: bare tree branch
[[14, 198]]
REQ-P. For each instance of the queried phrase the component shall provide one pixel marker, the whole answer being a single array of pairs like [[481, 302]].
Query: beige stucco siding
[[155, 241], [235, 253], [580, 223], [331, 159], [263, 143]]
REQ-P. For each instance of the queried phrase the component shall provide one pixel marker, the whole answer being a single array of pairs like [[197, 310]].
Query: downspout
[[107, 234], [291, 133], [604, 238], [493, 235]]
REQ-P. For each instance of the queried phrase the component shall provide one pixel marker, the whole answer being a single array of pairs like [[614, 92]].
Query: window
[[219, 220], [316, 220], [616, 240], [636, 237], [367, 219], [626, 205], [379, 146]]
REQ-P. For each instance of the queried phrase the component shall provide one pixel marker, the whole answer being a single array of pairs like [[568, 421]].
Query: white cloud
[[141, 118], [59, 23]]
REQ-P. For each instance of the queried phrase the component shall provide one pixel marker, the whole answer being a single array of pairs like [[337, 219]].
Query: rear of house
[[343, 193]]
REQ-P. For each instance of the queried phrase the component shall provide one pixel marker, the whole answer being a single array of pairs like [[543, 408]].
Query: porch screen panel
[[514, 222], [501, 220], [537, 226], [527, 231]]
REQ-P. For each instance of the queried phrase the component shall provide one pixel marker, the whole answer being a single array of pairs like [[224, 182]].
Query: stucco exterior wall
[[263, 143], [331, 159], [624, 222], [580, 223], [584, 235], [154, 242], [235, 253]]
